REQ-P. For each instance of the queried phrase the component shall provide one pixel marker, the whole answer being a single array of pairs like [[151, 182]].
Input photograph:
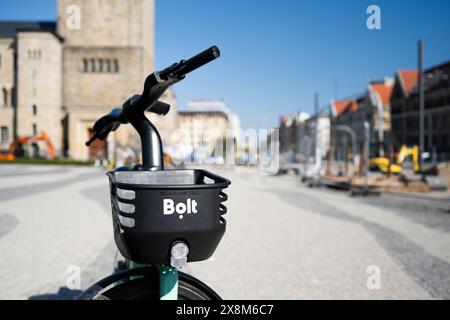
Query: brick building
[[405, 109], [60, 78], [353, 112]]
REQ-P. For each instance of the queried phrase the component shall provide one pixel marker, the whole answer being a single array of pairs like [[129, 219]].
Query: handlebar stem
[[151, 144], [134, 111]]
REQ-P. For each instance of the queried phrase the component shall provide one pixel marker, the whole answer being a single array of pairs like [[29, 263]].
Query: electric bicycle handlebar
[[154, 87]]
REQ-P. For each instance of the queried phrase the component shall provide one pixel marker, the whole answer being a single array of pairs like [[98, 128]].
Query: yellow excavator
[[405, 154]]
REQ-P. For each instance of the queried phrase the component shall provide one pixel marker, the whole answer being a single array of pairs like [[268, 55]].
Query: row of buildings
[[390, 106], [60, 78]]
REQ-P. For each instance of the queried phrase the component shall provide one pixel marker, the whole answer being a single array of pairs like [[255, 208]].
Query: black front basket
[[153, 209]]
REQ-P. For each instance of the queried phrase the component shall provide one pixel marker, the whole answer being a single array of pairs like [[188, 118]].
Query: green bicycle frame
[[168, 281]]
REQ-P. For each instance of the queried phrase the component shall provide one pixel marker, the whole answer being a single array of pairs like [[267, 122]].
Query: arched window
[[108, 66], [100, 65], [34, 110], [93, 68], [4, 137], [5, 97], [85, 65]]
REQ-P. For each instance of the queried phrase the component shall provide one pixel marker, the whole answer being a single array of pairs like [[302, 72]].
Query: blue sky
[[277, 54]]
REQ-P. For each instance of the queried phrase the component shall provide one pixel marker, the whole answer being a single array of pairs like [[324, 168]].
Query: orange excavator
[[17, 146]]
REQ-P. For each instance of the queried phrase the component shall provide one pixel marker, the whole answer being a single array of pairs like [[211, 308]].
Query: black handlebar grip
[[201, 59]]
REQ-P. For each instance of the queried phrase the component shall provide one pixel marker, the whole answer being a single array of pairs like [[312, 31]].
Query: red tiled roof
[[339, 106], [343, 105], [409, 79], [353, 106], [384, 90]]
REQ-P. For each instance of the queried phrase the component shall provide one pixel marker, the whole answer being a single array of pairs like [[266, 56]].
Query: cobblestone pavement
[[283, 239]]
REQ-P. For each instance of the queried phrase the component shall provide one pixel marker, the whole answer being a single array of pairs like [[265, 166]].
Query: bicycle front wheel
[[143, 284]]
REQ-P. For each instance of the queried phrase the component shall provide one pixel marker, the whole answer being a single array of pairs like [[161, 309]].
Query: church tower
[[108, 49]]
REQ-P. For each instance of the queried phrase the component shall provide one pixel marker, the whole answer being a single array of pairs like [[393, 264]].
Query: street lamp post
[[366, 156], [421, 105], [306, 152], [376, 98], [380, 124]]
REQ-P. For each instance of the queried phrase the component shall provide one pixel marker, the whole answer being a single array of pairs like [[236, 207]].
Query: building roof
[[384, 90], [9, 29], [434, 76], [339, 106], [408, 79], [289, 119], [207, 105], [443, 66], [352, 106], [349, 105], [203, 113]]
